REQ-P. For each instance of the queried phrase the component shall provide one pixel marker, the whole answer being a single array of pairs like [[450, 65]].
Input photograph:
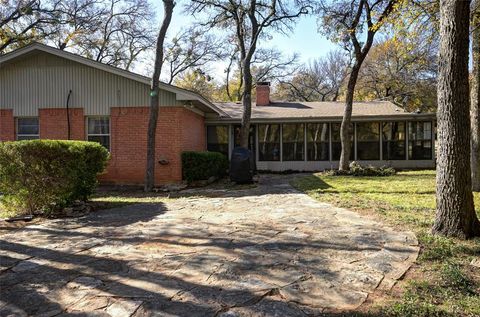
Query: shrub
[[43, 176], [357, 170], [203, 165]]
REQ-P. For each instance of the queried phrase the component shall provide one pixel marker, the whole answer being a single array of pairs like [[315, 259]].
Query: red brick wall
[[53, 124], [178, 130], [194, 138], [7, 125], [263, 95]]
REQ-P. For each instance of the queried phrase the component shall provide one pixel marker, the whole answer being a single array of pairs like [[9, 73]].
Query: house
[[52, 94]]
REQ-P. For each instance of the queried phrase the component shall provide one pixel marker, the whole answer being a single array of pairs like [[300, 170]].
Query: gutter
[[326, 119]]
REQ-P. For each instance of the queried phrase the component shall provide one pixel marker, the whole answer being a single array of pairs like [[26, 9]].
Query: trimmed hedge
[[43, 176], [198, 166]]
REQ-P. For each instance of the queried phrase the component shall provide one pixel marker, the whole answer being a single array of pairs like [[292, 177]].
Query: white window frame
[[17, 135], [100, 134]]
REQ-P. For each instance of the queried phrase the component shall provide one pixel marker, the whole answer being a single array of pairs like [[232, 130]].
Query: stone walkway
[[265, 251]]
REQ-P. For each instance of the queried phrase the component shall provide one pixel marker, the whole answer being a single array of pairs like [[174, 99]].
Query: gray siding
[[42, 80]]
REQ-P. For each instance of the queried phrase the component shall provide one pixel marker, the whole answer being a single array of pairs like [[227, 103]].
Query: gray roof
[[323, 110]]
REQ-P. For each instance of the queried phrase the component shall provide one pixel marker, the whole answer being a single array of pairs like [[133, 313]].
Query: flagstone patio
[[263, 251]]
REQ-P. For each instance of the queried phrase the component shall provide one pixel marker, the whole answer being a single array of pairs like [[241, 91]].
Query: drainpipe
[[68, 114]]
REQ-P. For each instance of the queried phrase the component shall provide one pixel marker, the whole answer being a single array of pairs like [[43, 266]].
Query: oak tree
[[250, 21], [345, 21], [475, 97], [402, 70], [455, 213]]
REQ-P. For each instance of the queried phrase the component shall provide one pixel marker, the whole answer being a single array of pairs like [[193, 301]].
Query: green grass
[[113, 199], [442, 282], [105, 199], [408, 197]]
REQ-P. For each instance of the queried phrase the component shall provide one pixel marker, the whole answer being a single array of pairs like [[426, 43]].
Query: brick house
[[52, 94]]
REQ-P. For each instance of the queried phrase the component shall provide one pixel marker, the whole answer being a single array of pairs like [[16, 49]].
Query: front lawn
[[442, 283]]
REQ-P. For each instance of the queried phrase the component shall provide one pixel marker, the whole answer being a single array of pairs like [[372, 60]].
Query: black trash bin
[[241, 166]]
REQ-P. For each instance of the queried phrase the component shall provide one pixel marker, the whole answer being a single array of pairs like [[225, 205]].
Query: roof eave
[[408, 116]]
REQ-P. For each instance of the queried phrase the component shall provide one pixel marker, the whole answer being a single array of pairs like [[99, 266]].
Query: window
[[337, 144], [27, 128], [393, 138], [269, 142], [98, 130], [217, 139], [368, 141], [293, 139], [420, 140], [318, 142]]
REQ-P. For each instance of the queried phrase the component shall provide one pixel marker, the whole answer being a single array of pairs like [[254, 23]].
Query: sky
[[304, 40]]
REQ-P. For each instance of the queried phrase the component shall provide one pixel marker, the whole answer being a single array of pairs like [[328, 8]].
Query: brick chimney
[[263, 93]]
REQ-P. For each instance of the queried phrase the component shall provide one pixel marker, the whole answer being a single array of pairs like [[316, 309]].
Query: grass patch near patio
[[107, 198], [442, 282], [113, 199]]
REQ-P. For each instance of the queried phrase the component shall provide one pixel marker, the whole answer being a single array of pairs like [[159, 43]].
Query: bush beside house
[[197, 166], [358, 170], [43, 176]]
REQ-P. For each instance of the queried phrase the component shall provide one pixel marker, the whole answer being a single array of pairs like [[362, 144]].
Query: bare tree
[[24, 21], [475, 98], [191, 48], [321, 80], [250, 20], [455, 214], [268, 64], [77, 20], [114, 32], [345, 21], [122, 32], [168, 6]]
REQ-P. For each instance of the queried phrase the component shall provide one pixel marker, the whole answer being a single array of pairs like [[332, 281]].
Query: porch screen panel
[[337, 144], [251, 137], [393, 138], [293, 139], [318, 136], [217, 139], [420, 140], [269, 142], [368, 141]]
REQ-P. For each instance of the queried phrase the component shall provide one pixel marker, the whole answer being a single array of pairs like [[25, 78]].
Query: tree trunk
[[475, 98], [154, 91], [455, 214], [345, 131], [247, 104]]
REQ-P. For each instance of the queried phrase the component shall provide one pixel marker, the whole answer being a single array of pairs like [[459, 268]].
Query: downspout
[[68, 114]]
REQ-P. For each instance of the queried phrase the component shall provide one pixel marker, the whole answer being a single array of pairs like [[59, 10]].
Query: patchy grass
[[442, 282], [106, 199], [114, 199]]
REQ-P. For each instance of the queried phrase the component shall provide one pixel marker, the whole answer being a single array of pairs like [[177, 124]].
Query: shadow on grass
[[317, 183]]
